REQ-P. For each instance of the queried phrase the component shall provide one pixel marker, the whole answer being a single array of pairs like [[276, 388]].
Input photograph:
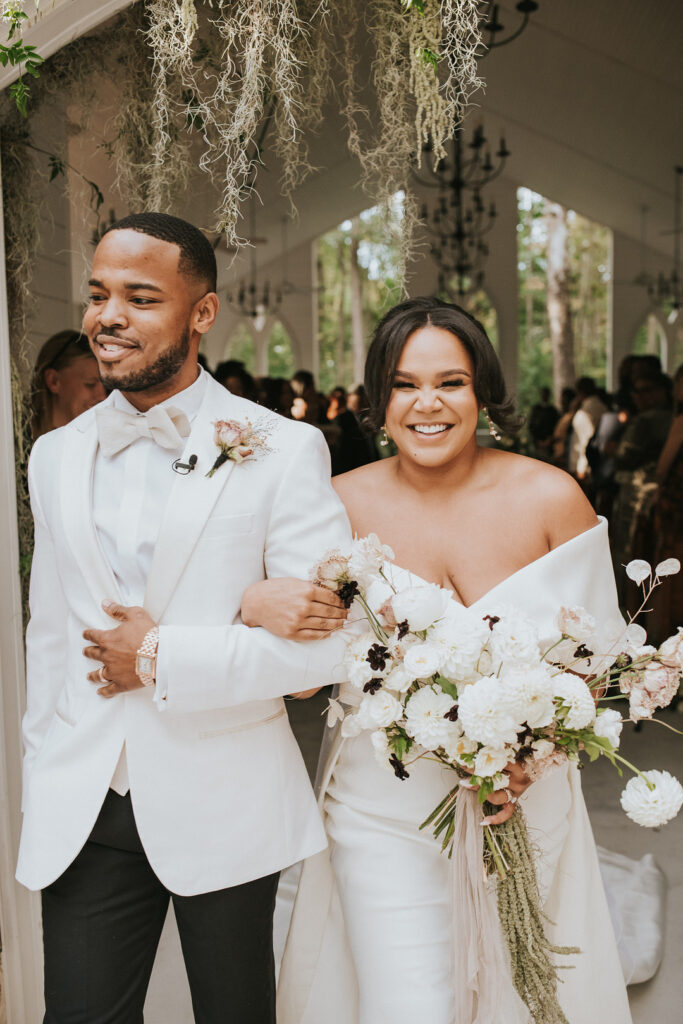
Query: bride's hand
[[293, 609], [518, 784]]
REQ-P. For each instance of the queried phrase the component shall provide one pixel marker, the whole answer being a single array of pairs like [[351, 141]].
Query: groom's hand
[[116, 649]]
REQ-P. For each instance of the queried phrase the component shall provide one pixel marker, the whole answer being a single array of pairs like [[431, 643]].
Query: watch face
[[145, 665]]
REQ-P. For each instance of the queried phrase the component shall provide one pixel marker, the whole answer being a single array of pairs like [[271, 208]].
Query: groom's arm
[[201, 668]]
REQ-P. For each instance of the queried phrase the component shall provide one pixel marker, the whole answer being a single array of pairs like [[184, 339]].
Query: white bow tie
[[166, 426]]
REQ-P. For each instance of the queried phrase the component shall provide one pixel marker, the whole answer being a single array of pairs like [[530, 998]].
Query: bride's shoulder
[[550, 494], [357, 483]]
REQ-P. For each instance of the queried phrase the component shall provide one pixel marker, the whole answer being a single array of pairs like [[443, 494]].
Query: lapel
[[80, 448], [191, 501]]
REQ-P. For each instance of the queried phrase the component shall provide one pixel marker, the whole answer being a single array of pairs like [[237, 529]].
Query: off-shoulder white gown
[[373, 936]]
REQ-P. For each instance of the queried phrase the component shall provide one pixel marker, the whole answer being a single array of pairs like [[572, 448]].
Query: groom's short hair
[[197, 258]]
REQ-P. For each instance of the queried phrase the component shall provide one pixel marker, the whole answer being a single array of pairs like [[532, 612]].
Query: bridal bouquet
[[479, 689]]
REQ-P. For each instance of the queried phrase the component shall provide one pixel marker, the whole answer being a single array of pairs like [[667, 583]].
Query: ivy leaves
[[14, 54]]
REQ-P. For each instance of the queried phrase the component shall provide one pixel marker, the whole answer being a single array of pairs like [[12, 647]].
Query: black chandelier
[[460, 219], [256, 303]]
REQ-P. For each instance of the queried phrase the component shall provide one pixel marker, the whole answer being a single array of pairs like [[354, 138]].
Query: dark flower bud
[[373, 686], [403, 629], [492, 620], [347, 592], [399, 770], [377, 657]]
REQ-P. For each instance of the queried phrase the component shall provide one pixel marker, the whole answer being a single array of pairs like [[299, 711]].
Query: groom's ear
[[204, 313]]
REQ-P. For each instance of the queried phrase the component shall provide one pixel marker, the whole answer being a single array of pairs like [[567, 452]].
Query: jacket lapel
[[190, 503], [80, 448]]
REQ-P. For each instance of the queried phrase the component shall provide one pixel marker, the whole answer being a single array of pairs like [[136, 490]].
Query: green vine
[[17, 53]]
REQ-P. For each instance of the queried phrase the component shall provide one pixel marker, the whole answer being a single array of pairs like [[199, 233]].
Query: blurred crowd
[[626, 451]]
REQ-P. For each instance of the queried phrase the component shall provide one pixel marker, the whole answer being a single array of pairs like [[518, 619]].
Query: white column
[[19, 909]]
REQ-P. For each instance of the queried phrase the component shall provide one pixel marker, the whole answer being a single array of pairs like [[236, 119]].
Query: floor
[[653, 746]]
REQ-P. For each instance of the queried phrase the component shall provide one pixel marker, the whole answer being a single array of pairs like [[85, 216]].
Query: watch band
[[146, 659]]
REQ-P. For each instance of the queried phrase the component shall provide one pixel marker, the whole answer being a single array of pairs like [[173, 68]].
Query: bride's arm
[[293, 609]]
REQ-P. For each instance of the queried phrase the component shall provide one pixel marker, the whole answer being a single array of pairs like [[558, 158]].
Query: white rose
[[228, 433], [486, 715], [399, 679], [577, 699], [608, 724], [380, 745], [530, 694], [422, 661], [575, 622], [671, 651], [490, 761], [420, 606], [652, 807], [425, 717], [379, 709]]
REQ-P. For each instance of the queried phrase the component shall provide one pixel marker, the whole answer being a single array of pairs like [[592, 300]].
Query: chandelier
[[254, 302], [459, 220]]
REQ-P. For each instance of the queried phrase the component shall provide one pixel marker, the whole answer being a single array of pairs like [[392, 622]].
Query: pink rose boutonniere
[[236, 441]]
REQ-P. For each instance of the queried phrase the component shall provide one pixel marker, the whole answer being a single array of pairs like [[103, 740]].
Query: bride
[[377, 940]]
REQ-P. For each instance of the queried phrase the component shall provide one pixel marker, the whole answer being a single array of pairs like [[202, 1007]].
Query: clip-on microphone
[[183, 468]]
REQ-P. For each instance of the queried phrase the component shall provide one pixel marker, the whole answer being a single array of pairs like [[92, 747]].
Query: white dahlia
[[425, 718], [577, 700], [461, 637], [486, 715], [513, 641], [652, 807], [530, 694]]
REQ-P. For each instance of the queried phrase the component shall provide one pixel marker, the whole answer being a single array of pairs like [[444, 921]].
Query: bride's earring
[[492, 427], [384, 437]]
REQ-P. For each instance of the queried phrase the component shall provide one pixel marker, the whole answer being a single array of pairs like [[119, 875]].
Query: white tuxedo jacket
[[219, 789]]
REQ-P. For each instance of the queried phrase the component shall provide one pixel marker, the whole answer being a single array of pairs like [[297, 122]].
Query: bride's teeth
[[430, 428]]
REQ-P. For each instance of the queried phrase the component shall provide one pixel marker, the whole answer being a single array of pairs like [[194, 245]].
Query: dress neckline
[[601, 525]]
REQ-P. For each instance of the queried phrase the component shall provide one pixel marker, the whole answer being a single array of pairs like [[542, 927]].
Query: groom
[[159, 759]]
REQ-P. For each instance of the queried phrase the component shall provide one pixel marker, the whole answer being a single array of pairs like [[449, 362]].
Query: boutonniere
[[237, 441]]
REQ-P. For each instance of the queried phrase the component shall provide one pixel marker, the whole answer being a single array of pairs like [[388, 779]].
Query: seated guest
[[276, 393], [65, 383], [308, 405]]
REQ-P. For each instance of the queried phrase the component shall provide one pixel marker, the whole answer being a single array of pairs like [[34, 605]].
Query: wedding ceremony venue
[[341, 457]]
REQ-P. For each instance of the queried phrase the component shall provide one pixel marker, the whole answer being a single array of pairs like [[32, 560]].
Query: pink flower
[[228, 433], [241, 452], [671, 651], [652, 687]]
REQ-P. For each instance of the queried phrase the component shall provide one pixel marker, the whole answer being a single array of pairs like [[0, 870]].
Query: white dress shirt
[[130, 492]]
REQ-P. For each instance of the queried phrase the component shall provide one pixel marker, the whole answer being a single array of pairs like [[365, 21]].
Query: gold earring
[[492, 427], [384, 437]]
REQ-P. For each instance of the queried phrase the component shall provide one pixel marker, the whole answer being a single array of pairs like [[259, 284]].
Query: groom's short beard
[[166, 365]]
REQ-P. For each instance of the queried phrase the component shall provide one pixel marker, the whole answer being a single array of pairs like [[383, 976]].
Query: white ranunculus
[[608, 724], [379, 709], [577, 699], [420, 606], [490, 761], [514, 641], [530, 695], [380, 746], [652, 807], [351, 726], [422, 661], [575, 622], [425, 717], [485, 714], [638, 570], [671, 651], [669, 567], [368, 555], [542, 748]]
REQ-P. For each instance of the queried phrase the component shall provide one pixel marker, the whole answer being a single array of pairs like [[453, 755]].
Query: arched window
[[651, 339], [241, 346], [281, 362]]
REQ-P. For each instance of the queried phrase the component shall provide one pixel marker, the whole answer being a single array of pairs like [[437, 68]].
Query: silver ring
[[511, 799], [101, 676]]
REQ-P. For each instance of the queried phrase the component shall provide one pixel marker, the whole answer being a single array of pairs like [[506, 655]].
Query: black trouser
[[102, 920]]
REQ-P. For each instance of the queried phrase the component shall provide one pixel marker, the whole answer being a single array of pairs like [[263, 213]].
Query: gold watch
[[146, 658]]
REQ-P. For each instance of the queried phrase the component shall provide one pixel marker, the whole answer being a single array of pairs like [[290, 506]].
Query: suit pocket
[[225, 527]]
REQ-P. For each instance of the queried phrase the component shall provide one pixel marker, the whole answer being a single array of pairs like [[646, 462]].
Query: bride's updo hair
[[392, 333]]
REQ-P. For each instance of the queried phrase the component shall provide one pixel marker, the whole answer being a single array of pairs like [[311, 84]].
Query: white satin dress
[[373, 939]]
